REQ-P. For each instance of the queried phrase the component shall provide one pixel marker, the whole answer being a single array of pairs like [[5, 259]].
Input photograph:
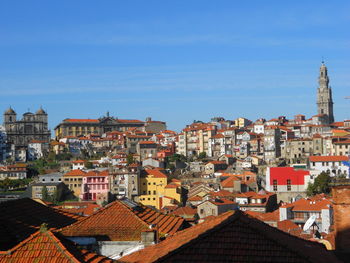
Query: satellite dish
[[309, 222]]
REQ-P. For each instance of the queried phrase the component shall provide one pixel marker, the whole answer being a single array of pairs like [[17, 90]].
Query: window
[[275, 185], [201, 211], [144, 192], [289, 187], [154, 192]]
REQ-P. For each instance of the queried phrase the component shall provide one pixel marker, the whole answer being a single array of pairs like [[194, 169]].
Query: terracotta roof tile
[[75, 172], [120, 222], [21, 218], [81, 120], [266, 217], [309, 204], [334, 158], [195, 198], [232, 237], [229, 182], [186, 210], [155, 173], [47, 247], [97, 173], [289, 227]]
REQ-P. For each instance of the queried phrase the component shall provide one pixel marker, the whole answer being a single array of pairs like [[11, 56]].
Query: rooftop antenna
[[309, 223], [322, 60]]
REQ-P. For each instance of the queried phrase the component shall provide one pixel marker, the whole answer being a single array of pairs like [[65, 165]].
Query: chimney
[[341, 207], [148, 237]]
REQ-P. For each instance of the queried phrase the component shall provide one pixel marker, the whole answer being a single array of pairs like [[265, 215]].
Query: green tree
[[51, 156], [89, 165], [5, 184], [130, 159], [45, 194], [56, 197], [202, 155], [320, 185], [177, 157]]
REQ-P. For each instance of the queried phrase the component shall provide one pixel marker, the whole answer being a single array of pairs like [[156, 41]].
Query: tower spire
[[324, 94]]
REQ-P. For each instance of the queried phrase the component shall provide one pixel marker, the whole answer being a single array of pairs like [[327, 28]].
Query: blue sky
[[176, 61]]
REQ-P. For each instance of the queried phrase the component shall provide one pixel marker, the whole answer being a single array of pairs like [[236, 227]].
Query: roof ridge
[[20, 244], [55, 241], [85, 217], [127, 207], [269, 234], [58, 244], [229, 215]]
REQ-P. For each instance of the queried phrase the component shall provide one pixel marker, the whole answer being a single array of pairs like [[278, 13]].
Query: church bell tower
[[324, 94]]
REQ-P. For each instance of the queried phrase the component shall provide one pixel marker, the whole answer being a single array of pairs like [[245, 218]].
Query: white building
[[334, 165], [37, 149]]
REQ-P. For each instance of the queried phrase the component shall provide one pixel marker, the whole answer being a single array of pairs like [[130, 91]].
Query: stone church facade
[[32, 127]]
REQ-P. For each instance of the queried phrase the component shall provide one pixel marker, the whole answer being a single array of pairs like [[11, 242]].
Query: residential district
[[121, 190]]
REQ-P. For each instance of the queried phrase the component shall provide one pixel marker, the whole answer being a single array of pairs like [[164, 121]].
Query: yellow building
[[194, 139], [73, 180], [242, 122], [155, 190]]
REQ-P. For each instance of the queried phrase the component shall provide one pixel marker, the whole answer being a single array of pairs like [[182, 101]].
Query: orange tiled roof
[[195, 198], [122, 223], [229, 182], [266, 217], [129, 121], [79, 161], [343, 142], [97, 173], [309, 204], [81, 120], [172, 185], [75, 172], [155, 173], [44, 246], [218, 136], [176, 180], [79, 208], [22, 217], [147, 142], [221, 201], [289, 227], [232, 237], [186, 210], [334, 158]]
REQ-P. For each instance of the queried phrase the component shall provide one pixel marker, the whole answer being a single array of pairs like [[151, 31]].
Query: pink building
[[95, 186]]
